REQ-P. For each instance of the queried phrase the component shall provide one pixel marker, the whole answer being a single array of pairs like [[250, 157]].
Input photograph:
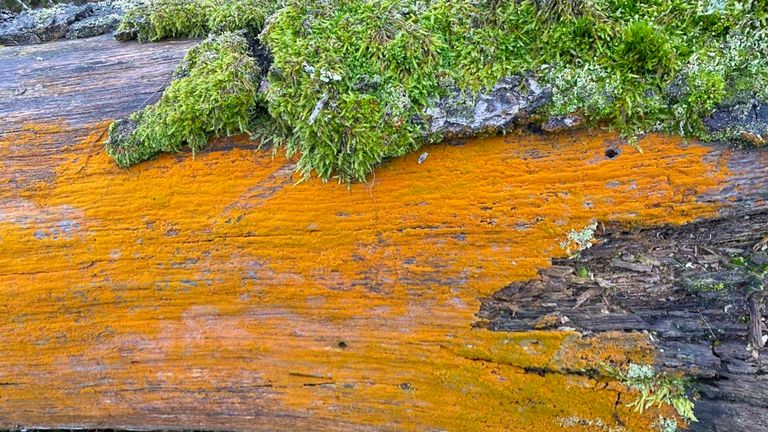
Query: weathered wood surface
[[211, 292], [676, 283], [82, 81]]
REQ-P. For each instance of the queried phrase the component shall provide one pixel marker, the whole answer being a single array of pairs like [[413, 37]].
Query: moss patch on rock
[[352, 79]]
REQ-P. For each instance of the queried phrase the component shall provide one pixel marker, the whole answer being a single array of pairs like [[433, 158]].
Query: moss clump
[[660, 65], [352, 79], [645, 49], [231, 15], [348, 80], [161, 19], [213, 94], [153, 20]]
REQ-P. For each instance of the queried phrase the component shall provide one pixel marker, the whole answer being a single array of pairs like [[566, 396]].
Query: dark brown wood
[[681, 286]]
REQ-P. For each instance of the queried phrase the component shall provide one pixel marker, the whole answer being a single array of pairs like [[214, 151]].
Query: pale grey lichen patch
[[467, 113], [664, 424], [41, 25], [94, 26], [577, 241], [64, 20]]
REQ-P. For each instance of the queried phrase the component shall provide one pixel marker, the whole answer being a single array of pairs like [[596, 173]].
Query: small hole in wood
[[611, 153]]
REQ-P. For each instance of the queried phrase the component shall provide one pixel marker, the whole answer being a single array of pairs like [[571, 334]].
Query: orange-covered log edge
[[213, 292]]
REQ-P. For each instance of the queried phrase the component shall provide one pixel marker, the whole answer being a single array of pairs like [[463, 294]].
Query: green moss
[[746, 265], [584, 272], [232, 15], [705, 91], [348, 79], [162, 19], [214, 94], [704, 285], [645, 49], [352, 79], [153, 20]]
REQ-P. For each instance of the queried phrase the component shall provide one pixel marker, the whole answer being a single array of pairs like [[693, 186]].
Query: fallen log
[[210, 292]]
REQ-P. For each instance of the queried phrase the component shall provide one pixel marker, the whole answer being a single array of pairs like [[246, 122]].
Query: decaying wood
[[705, 315], [209, 292]]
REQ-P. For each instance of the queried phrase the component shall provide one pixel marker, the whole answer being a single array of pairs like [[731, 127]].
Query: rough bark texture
[[45, 82], [509, 104], [748, 117], [679, 285], [71, 21]]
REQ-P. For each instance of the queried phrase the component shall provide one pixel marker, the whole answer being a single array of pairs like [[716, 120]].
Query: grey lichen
[[577, 241], [656, 388]]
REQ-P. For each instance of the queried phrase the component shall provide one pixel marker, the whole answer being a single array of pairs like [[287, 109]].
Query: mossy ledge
[[212, 93], [350, 83]]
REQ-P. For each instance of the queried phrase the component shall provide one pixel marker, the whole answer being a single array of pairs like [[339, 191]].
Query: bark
[[705, 314], [83, 80]]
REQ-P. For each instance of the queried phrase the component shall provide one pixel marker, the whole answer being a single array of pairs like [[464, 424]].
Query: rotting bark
[[749, 117], [704, 313]]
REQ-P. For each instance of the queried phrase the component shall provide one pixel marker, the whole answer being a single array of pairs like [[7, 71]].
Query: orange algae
[[212, 286]]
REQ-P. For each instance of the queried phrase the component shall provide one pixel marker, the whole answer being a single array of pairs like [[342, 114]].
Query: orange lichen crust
[[213, 292]]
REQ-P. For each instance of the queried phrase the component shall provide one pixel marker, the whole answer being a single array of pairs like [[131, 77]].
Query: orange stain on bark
[[213, 291]]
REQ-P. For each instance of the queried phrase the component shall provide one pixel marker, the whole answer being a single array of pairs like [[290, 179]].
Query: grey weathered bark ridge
[[70, 21]]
